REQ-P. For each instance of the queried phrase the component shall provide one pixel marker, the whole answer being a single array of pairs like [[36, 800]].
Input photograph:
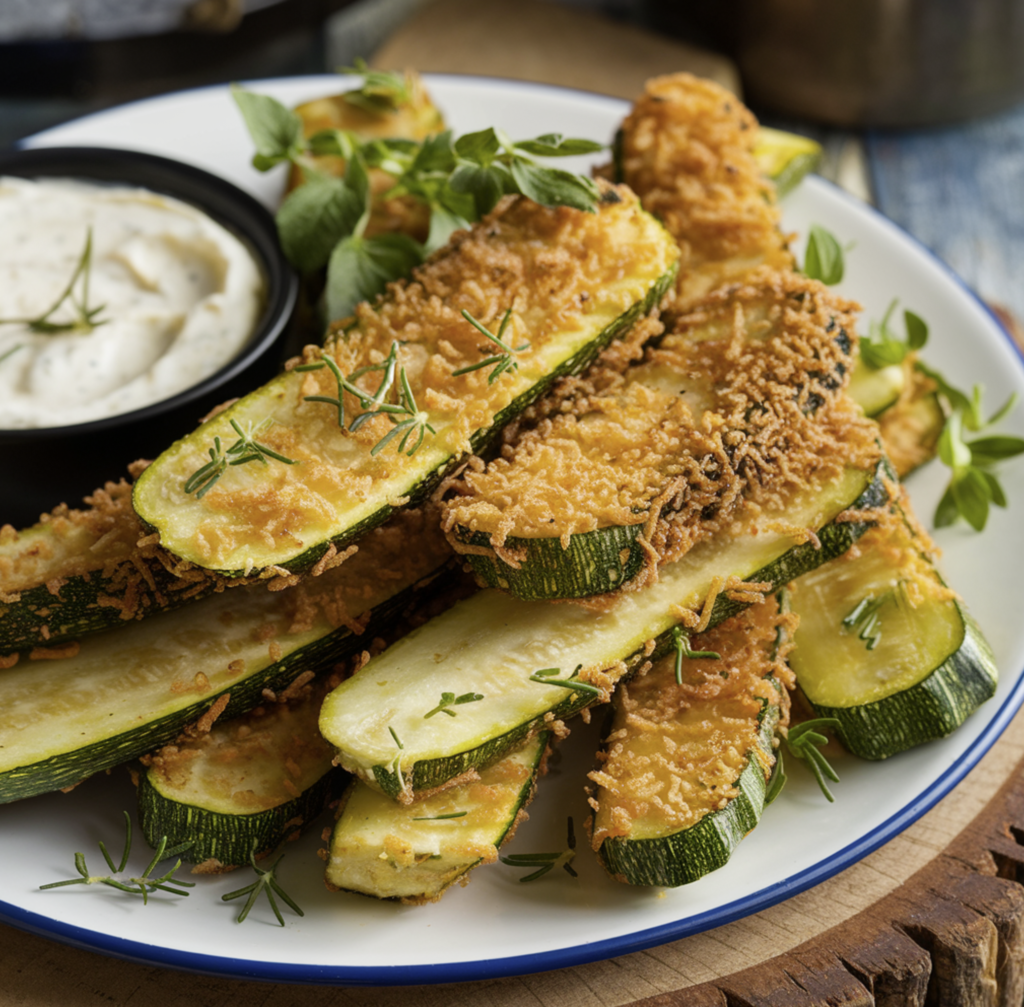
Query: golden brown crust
[[687, 151], [762, 361], [676, 751]]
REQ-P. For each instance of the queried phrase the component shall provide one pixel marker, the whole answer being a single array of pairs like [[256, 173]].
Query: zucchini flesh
[[929, 667], [243, 788], [722, 412], [574, 280], [685, 768], [130, 691], [785, 158], [415, 852], [876, 389], [490, 644]]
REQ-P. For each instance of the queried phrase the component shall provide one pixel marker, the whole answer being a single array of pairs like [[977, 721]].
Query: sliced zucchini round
[[415, 852], [888, 651], [240, 790]]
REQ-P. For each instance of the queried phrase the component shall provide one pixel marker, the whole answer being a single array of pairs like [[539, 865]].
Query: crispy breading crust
[[687, 150], [611, 451]]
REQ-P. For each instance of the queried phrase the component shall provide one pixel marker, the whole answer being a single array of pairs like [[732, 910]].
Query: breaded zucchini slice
[[885, 648], [741, 404], [121, 694], [569, 282], [82, 570], [409, 114], [688, 150], [684, 769], [416, 852], [470, 685], [244, 787]]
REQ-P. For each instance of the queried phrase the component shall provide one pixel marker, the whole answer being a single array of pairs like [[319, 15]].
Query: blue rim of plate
[[583, 954]]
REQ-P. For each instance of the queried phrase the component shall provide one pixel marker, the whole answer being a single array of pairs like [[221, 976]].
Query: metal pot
[[869, 62]]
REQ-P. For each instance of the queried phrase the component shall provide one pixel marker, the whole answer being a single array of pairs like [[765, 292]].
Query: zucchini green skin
[[686, 856], [129, 692], [931, 709], [414, 774], [229, 838], [422, 477], [77, 610], [593, 563]]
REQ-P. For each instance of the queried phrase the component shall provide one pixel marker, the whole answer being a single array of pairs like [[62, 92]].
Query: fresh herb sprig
[[548, 676], [381, 91], [245, 450], [681, 645], [882, 347], [145, 884], [804, 742], [266, 882], [866, 617], [450, 699], [323, 222], [503, 361], [824, 259], [545, 862], [407, 418], [85, 317]]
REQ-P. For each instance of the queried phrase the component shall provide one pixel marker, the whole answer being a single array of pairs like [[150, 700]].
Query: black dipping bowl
[[41, 468]]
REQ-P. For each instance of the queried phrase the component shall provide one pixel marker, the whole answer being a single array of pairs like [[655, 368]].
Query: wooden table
[[934, 917]]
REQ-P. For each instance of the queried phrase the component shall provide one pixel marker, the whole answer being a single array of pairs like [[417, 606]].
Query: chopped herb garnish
[[450, 699], [804, 741], [265, 882], [144, 884], [546, 676], [85, 317], [865, 617], [398, 741], [502, 361], [544, 862], [246, 449], [442, 818], [10, 353], [681, 643]]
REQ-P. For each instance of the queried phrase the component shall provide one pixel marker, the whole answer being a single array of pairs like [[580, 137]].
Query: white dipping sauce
[[181, 296]]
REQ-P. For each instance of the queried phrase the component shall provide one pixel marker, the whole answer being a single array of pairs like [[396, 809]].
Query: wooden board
[[934, 917], [546, 42]]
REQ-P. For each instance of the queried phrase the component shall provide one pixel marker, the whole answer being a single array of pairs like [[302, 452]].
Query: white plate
[[498, 926]]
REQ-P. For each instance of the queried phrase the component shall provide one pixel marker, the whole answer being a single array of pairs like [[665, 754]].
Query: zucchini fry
[[685, 767]]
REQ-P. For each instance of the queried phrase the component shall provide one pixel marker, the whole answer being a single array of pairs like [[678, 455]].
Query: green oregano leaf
[[824, 258], [275, 130], [360, 268], [314, 217]]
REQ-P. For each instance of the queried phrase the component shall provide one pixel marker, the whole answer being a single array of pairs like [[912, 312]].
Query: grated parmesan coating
[[565, 274], [739, 406], [688, 153], [675, 752]]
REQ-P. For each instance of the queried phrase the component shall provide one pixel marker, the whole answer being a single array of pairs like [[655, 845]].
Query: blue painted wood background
[[960, 190]]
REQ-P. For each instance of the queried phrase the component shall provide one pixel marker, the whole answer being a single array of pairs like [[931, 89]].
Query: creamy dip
[[180, 295]]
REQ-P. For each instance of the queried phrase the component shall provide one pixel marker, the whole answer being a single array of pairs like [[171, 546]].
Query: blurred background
[[916, 102]]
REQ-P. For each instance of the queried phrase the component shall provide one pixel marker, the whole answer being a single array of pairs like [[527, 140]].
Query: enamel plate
[[497, 926]]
